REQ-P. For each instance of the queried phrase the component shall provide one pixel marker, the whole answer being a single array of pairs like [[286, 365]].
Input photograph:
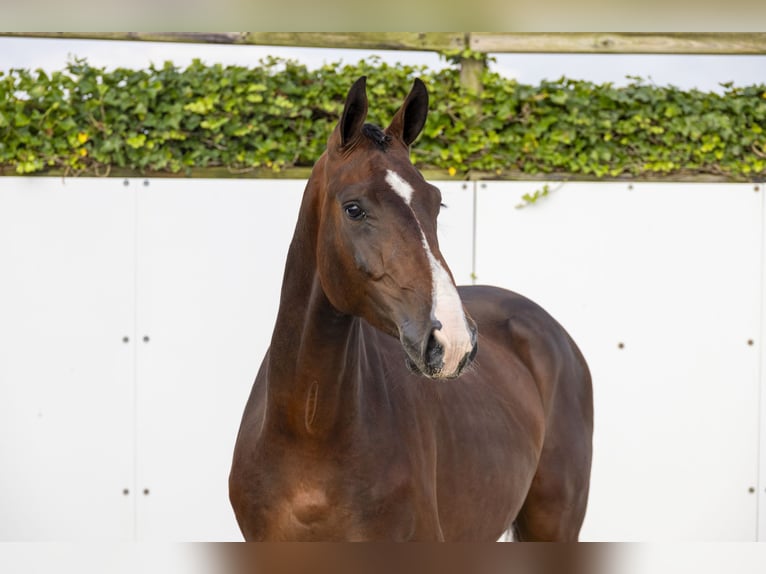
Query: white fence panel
[[660, 286], [66, 376], [456, 228], [209, 270]]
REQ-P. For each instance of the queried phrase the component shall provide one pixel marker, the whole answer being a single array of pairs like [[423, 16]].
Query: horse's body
[[344, 439]]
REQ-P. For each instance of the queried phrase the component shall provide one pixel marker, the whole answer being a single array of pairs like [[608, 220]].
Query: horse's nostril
[[475, 348], [434, 353]]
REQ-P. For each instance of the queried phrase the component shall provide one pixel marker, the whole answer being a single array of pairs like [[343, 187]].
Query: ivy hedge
[[84, 119]]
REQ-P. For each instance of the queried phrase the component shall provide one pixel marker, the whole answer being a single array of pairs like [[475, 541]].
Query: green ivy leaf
[[136, 141]]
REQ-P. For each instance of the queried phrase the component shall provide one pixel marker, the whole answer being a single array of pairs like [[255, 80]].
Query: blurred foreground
[[39, 558]]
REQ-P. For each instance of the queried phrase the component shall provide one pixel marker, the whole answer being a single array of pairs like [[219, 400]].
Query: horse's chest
[[305, 498], [309, 511]]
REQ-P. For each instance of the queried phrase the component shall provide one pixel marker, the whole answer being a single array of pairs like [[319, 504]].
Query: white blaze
[[401, 187], [447, 307]]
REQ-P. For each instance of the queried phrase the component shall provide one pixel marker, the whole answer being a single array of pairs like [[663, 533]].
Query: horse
[[392, 405]]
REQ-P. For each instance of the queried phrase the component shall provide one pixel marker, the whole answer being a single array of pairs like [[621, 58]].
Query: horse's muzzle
[[440, 357]]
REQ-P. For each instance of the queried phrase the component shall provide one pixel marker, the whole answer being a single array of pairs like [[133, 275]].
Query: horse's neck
[[311, 358]]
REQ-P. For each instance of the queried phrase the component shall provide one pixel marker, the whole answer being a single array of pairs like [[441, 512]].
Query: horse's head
[[378, 254]]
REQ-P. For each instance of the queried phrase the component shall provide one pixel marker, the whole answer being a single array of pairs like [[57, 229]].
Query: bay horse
[[392, 405]]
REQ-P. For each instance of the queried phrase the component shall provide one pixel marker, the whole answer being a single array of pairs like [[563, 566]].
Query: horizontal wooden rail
[[565, 42], [426, 41], [629, 43], [430, 174]]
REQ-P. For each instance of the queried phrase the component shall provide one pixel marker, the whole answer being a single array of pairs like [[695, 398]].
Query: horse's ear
[[409, 120], [354, 111]]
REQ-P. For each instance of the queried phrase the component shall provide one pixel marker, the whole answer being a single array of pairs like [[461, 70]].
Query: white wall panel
[[455, 228], [660, 286], [210, 263], [762, 368], [66, 376]]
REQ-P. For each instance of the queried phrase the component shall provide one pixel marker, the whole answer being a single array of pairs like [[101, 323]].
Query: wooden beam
[[303, 173], [619, 43], [470, 76], [487, 42], [428, 41], [192, 173]]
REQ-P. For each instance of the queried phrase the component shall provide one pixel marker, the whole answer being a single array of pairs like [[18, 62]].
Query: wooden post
[[471, 68], [470, 74]]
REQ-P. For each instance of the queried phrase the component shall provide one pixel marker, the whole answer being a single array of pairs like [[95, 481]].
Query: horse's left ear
[[354, 112], [409, 120]]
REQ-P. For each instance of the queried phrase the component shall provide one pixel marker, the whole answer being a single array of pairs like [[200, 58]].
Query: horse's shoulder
[[529, 332]]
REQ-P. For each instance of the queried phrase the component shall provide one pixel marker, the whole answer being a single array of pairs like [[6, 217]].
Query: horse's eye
[[354, 211]]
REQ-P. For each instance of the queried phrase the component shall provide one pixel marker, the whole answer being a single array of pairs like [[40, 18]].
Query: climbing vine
[[87, 120]]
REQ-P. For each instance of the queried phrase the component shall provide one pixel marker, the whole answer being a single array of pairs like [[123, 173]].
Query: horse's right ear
[[354, 112], [410, 119]]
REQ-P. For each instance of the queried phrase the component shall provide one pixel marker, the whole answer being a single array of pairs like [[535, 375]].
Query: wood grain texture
[[629, 43]]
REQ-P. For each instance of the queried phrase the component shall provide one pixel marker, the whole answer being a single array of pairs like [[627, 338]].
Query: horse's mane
[[375, 134]]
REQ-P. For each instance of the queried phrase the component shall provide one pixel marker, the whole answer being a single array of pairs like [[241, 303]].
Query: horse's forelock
[[376, 135]]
